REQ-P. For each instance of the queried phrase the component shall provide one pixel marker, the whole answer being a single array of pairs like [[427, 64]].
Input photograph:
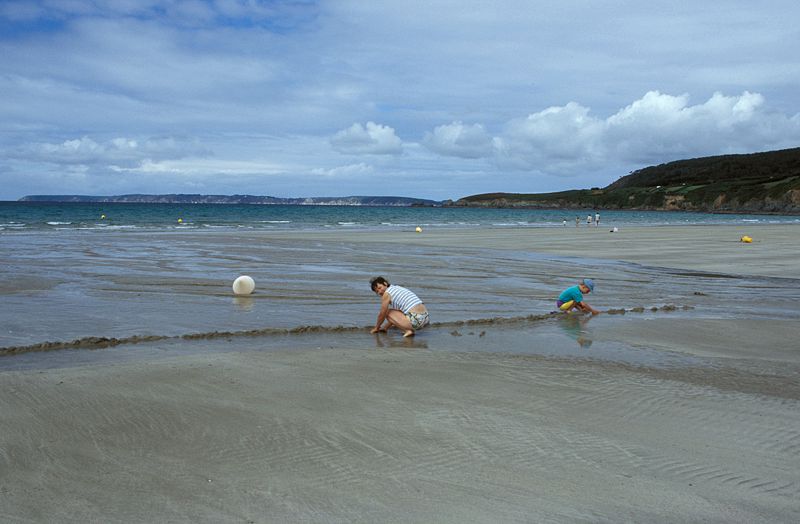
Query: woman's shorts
[[418, 320]]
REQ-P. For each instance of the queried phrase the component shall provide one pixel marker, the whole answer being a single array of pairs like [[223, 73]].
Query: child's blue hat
[[588, 282]]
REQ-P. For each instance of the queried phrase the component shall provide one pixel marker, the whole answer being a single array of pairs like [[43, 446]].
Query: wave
[[95, 342], [431, 224], [100, 227]]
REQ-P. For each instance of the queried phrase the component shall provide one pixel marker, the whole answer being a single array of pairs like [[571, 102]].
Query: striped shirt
[[402, 298]]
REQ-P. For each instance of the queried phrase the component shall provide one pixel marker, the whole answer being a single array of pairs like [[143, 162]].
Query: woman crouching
[[400, 308]]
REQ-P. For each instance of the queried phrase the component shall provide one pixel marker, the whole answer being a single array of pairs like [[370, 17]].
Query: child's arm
[[586, 307]]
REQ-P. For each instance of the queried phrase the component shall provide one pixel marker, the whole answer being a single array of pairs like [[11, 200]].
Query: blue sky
[[432, 99]]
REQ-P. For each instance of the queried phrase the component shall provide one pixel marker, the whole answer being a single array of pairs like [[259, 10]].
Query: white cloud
[[457, 139], [373, 139], [553, 140], [566, 140], [659, 125], [117, 152], [349, 170]]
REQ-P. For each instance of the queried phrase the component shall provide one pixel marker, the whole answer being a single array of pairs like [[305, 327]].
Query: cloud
[[20, 11], [180, 12], [459, 140], [345, 171], [555, 139], [374, 139], [566, 140], [659, 125], [115, 153]]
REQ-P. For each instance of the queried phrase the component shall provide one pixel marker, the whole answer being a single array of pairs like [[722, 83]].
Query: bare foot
[[409, 333]]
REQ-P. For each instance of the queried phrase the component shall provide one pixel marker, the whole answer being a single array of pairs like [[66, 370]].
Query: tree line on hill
[[767, 182]]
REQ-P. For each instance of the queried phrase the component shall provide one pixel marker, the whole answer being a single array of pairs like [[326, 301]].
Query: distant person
[[589, 220], [572, 297], [400, 308], [597, 219], [565, 222], [577, 221]]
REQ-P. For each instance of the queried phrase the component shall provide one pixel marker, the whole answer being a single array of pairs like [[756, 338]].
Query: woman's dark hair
[[377, 280]]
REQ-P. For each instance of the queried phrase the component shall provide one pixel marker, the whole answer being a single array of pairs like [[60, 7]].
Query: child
[[572, 297]]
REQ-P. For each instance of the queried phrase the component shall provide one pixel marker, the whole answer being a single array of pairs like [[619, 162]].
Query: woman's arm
[[386, 300]]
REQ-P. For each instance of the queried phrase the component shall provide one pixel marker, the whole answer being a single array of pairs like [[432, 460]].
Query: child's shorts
[[564, 306]]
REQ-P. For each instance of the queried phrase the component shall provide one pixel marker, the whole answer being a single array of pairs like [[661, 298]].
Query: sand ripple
[[393, 435]]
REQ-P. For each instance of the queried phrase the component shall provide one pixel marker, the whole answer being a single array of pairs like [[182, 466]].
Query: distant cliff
[[236, 199], [755, 183]]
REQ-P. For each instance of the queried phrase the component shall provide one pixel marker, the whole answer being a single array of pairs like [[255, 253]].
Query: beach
[[679, 403]]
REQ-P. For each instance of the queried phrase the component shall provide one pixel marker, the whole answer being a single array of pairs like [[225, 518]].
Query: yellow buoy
[[180, 221], [419, 229], [746, 239]]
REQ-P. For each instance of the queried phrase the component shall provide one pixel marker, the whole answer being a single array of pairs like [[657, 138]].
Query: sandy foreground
[[411, 434]]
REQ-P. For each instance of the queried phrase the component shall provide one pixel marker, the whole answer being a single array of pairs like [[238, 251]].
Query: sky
[[432, 99]]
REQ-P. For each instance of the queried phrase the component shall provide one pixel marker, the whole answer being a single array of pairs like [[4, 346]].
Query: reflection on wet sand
[[384, 340], [573, 325]]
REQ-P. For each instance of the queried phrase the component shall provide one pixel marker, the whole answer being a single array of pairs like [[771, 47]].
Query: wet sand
[[773, 251], [409, 433]]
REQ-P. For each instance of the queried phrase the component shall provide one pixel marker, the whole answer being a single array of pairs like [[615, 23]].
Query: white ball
[[243, 285]]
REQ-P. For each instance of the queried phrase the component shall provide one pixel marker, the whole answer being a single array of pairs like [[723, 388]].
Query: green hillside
[[754, 183]]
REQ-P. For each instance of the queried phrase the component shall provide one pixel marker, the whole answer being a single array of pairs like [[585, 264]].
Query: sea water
[[45, 216], [72, 279]]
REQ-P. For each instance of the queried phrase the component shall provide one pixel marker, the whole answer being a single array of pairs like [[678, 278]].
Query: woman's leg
[[400, 321]]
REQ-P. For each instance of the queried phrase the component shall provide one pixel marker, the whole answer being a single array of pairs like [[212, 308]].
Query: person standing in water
[[400, 308]]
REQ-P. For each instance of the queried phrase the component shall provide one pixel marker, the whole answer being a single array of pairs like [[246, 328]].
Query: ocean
[[151, 276], [29, 216]]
